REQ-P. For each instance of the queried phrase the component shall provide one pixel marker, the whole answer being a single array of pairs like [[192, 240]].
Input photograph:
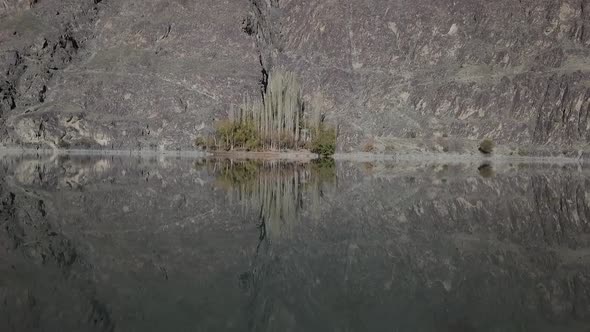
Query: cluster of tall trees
[[280, 119]]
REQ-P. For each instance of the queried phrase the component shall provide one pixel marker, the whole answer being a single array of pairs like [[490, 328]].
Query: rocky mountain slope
[[395, 75]]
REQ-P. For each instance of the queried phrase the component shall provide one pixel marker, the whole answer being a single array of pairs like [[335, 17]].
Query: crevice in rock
[[261, 23]]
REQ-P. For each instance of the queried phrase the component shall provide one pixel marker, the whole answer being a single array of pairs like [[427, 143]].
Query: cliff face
[[441, 75], [515, 71], [136, 74]]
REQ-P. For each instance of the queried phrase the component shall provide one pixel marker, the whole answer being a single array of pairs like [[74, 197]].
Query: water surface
[[97, 243]]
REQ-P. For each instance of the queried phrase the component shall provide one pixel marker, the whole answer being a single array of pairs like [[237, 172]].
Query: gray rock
[[515, 72]]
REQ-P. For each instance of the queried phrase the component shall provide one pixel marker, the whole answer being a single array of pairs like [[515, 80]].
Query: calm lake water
[[178, 244]]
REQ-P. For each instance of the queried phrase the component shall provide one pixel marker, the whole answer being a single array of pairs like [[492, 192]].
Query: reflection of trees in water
[[430, 273], [278, 192], [275, 189]]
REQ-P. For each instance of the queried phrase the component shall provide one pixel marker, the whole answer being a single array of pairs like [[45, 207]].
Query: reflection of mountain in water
[[152, 244], [404, 249], [40, 266]]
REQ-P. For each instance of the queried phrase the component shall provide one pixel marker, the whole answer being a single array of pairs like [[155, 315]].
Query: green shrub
[[486, 146], [224, 134], [232, 135], [324, 141], [246, 136]]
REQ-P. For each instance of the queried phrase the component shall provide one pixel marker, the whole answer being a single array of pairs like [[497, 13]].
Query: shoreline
[[442, 157]]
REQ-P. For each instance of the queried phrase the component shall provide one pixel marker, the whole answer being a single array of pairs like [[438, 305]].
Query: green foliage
[[486, 146], [238, 174], [324, 141], [276, 122], [278, 118], [243, 135], [276, 190], [324, 168]]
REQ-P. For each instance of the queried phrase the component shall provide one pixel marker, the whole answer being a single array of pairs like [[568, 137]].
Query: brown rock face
[[157, 73]]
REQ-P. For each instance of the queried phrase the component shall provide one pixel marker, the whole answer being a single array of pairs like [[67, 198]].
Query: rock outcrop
[[514, 71], [156, 74]]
